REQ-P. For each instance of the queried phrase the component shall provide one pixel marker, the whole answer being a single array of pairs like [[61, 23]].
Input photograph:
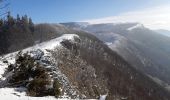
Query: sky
[[154, 18], [148, 12]]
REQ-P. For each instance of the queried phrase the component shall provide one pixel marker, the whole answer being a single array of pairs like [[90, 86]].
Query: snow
[[136, 26], [38, 51], [11, 93], [117, 41], [103, 97], [2, 68], [82, 24], [108, 43], [52, 43]]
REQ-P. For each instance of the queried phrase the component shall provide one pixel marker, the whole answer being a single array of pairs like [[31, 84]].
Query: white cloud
[[153, 18]]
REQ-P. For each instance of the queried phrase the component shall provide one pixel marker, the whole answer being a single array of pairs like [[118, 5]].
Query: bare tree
[[4, 8]]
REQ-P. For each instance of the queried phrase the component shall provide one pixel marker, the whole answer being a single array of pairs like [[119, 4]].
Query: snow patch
[[136, 26], [103, 97], [12, 93], [117, 41], [108, 43]]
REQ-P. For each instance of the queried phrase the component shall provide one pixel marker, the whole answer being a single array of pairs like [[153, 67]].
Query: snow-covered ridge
[[43, 46], [52, 43], [136, 26], [36, 50]]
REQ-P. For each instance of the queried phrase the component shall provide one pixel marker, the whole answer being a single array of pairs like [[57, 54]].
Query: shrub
[[56, 87], [37, 87], [22, 70], [28, 73], [96, 91]]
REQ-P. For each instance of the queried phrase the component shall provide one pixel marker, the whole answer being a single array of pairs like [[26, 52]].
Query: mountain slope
[[145, 49]]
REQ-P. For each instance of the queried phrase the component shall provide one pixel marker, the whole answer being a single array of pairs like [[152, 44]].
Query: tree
[[25, 19], [18, 18], [1, 25], [25, 23], [10, 20], [31, 25], [4, 7], [1, 22]]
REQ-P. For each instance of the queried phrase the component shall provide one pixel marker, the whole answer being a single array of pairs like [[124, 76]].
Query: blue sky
[[76, 10]]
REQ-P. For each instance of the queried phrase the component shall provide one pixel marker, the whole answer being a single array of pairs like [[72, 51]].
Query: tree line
[[22, 23], [16, 33]]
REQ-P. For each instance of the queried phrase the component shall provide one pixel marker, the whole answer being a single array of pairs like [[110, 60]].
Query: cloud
[[153, 18]]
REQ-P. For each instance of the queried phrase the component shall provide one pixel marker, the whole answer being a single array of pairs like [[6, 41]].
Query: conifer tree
[[10, 20], [18, 18], [31, 25], [25, 23]]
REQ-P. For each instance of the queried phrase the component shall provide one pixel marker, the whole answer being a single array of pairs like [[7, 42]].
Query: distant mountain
[[146, 50], [84, 65], [164, 32]]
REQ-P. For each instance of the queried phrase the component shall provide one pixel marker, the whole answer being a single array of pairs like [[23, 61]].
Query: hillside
[[144, 49]]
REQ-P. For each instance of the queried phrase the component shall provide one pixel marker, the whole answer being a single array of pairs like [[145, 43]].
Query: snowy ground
[[136, 26], [11, 93]]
